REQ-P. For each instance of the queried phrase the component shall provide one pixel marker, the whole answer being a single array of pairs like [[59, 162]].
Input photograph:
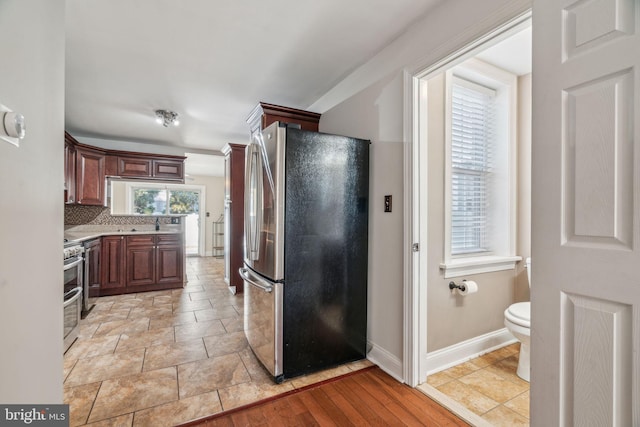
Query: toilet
[[517, 319]]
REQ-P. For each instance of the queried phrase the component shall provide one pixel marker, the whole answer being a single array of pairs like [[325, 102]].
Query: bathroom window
[[480, 199]]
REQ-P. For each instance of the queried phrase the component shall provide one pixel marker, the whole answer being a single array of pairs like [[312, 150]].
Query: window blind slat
[[472, 130]]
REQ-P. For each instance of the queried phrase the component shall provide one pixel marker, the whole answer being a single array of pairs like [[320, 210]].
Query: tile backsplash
[[99, 215]]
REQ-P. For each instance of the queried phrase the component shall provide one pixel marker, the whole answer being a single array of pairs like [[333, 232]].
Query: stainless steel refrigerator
[[306, 249]]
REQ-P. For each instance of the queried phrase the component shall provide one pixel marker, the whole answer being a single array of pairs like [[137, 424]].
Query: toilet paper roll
[[470, 287]]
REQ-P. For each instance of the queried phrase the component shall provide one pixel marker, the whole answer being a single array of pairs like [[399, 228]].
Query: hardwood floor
[[368, 397]]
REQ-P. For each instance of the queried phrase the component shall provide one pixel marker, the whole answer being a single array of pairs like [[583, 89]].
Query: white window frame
[[504, 211]]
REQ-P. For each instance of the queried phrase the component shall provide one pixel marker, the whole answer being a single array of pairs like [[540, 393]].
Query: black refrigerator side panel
[[326, 251]]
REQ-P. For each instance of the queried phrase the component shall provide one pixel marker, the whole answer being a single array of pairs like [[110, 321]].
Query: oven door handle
[[74, 298], [73, 264]]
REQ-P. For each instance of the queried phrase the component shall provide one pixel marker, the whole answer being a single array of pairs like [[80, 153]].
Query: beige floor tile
[[152, 311], [507, 369], [462, 369], [487, 359], [101, 368], [106, 316], [257, 372], [505, 417], [243, 394], [83, 348], [135, 392], [359, 364], [80, 400], [118, 327], [121, 421], [175, 319], [164, 355], [471, 399], [507, 351], [234, 324], [180, 411], [191, 305], [153, 294], [207, 375], [199, 330], [146, 339], [493, 386], [87, 330], [438, 379], [225, 344], [216, 313], [131, 303], [316, 377], [520, 404], [67, 367]]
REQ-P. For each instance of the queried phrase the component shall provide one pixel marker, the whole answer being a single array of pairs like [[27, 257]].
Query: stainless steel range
[[72, 291]]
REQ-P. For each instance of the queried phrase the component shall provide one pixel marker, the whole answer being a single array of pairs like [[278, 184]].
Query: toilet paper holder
[[453, 285]]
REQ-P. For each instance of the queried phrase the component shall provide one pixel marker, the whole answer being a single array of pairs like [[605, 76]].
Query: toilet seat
[[519, 314]]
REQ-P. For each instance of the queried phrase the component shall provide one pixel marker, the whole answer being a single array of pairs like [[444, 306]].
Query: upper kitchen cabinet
[[148, 166], [90, 176], [264, 114], [87, 167], [69, 169]]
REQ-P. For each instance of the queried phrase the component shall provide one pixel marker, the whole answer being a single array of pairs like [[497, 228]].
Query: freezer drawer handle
[[244, 273]]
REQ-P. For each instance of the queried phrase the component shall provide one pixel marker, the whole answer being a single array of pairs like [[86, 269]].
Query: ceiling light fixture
[[166, 118]]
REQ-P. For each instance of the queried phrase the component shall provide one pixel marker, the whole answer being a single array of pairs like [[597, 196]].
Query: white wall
[[31, 206], [214, 204], [370, 103]]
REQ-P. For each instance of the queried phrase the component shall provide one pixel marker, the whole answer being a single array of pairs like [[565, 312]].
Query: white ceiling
[[213, 61], [512, 54]]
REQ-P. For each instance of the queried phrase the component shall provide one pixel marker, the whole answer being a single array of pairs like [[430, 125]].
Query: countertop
[[81, 234]]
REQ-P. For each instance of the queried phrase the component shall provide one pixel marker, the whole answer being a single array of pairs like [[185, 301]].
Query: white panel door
[[585, 289]]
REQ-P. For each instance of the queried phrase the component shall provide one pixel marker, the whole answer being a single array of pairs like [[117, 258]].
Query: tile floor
[[489, 387], [168, 357]]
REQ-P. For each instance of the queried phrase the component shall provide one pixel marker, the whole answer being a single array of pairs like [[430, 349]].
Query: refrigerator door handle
[[253, 202], [255, 281]]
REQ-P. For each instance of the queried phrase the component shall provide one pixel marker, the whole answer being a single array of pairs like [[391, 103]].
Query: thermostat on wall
[[12, 126]]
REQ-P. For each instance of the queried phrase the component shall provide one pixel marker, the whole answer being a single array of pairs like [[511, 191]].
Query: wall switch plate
[[387, 203], [175, 220]]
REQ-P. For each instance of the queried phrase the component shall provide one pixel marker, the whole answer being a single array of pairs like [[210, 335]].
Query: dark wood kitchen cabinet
[[90, 177], [233, 215], [113, 265], [69, 169], [86, 168], [264, 114], [92, 276], [154, 262], [151, 167]]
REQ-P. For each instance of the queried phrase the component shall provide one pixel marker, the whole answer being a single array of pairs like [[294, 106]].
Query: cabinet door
[[169, 262], [69, 172], [112, 257], [168, 169], [141, 260], [134, 167], [90, 177]]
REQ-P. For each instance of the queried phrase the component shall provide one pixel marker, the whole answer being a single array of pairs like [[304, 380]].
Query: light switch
[[387, 203]]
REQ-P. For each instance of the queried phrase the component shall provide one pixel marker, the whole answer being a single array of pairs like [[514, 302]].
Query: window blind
[[473, 125]]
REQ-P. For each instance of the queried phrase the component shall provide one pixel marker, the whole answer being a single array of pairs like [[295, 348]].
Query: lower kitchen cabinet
[[92, 276], [112, 265], [144, 262]]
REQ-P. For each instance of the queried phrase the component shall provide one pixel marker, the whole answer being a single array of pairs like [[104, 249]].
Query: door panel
[[264, 211], [585, 287], [263, 320]]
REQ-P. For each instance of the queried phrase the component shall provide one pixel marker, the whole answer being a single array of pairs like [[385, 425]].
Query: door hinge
[[415, 247]]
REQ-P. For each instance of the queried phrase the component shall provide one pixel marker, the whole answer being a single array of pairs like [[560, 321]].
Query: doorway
[[446, 254]]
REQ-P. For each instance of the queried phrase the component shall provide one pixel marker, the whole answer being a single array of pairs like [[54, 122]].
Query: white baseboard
[[386, 361], [447, 357]]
